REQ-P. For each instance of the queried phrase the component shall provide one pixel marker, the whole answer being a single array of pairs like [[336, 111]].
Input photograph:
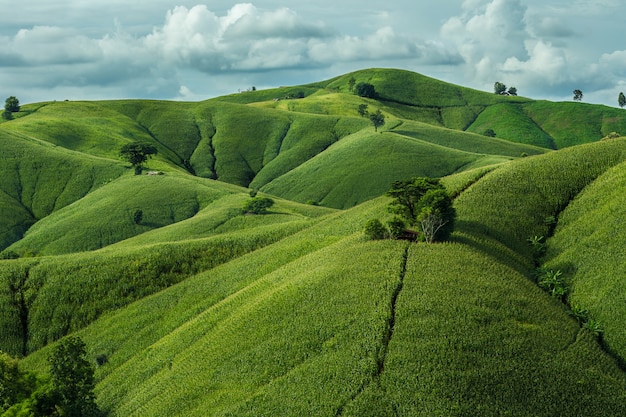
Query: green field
[[195, 308]]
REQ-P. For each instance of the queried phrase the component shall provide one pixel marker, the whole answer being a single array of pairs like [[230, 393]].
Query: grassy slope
[[588, 248], [309, 304], [311, 316], [38, 179]]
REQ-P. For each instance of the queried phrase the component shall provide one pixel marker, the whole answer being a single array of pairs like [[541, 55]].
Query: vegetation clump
[[68, 392], [137, 153], [366, 90], [11, 105], [257, 205], [421, 203]]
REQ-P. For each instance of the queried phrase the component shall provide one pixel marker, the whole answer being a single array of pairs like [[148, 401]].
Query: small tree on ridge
[[137, 153]]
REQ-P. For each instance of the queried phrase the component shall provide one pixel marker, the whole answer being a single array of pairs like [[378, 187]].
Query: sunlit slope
[[474, 337], [588, 247], [363, 166], [37, 179], [521, 199], [326, 323]]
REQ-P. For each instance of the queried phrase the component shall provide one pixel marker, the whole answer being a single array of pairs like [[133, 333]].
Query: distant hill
[[195, 308]]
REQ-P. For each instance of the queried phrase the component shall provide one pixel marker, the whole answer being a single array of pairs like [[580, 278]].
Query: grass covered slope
[[588, 247], [325, 323], [37, 179]]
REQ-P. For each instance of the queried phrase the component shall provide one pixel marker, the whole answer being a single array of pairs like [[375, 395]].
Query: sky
[[195, 50]]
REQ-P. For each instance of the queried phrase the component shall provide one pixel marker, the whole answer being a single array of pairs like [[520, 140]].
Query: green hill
[[194, 308]]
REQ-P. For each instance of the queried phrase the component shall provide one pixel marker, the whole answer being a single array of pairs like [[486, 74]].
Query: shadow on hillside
[[484, 240]]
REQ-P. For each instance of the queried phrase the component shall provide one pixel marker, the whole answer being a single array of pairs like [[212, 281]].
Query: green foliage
[[553, 282], [257, 205], [138, 216], [363, 110], [578, 95], [375, 230], [11, 105], [621, 100], [72, 377], [137, 154], [407, 196], [499, 87], [366, 90], [15, 385], [436, 214], [377, 119], [396, 227]]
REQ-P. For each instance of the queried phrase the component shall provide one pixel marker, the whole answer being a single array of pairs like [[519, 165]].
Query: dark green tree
[[407, 194], [512, 91], [578, 95], [137, 153], [377, 119], [15, 385], [362, 110], [366, 90], [72, 377], [257, 205], [621, 100], [499, 87], [12, 104]]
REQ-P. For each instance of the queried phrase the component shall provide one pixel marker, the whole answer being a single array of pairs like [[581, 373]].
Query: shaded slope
[[106, 216], [38, 179]]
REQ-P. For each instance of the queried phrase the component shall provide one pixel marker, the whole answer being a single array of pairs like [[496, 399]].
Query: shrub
[[396, 227], [375, 230], [366, 90], [257, 205]]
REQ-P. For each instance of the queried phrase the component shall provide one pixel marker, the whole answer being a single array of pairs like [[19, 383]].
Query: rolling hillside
[[201, 310]]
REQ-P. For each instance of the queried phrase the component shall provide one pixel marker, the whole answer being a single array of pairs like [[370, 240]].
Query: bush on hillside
[[375, 230], [366, 90], [257, 205]]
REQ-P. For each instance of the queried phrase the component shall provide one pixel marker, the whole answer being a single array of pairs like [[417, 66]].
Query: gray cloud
[[152, 49]]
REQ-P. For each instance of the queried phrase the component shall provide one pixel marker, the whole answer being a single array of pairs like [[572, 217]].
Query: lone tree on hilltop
[[11, 105], [366, 90], [621, 100], [137, 153], [578, 95], [499, 87], [512, 91]]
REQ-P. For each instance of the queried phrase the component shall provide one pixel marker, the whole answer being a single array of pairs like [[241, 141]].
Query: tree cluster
[[419, 203], [68, 391], [500, 88], [257, 205], [377, 118]]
